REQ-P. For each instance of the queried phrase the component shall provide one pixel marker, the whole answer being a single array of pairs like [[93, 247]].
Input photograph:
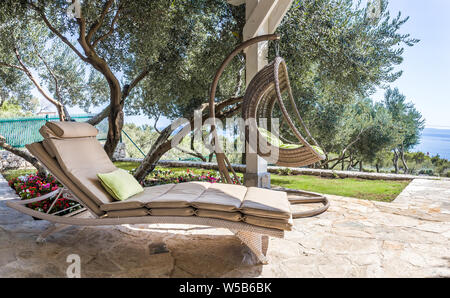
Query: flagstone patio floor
[[355, 238]]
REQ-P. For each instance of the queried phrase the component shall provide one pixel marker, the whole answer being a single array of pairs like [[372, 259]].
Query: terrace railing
[[19, 132]]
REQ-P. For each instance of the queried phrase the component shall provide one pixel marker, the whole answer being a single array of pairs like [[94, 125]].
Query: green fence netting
[[19, 132]]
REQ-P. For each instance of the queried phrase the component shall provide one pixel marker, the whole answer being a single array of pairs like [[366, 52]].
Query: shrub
[[335, 175], [442, 170], [159, 177], [427, 172], [284, 172]]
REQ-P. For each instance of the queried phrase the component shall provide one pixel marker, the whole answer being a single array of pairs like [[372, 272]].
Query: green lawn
[[376, 190], [126, 165]]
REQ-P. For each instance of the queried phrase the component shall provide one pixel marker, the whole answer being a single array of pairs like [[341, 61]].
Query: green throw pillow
[[120, 184], [274, 141], [318, 150], [290, 146], [271, 138]]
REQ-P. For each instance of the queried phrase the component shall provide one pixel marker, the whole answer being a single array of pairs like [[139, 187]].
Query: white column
[[256, 173]]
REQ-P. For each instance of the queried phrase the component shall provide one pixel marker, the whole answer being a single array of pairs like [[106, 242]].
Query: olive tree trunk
[[163, 144], [395, 161], [402, 157]]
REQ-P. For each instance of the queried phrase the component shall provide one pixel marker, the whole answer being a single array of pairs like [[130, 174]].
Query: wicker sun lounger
[[72, 154]]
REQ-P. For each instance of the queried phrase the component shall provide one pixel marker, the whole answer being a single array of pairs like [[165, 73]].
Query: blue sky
[[426, 77], [426, 66]]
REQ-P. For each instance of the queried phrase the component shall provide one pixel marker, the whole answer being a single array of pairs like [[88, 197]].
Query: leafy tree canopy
[[12, 108]]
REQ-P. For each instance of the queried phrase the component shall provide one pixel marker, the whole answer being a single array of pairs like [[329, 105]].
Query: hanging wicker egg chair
[[264, 91]]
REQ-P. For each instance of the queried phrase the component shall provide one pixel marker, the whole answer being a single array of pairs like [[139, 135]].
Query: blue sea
[[435, 141]]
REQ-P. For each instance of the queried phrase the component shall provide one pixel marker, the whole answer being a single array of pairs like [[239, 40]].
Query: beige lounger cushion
[[266, 203], [81, 159], [266, 208], [232, 216], [221, 197], [128, 213], [48, 148], [208, 196], [172, 212], [218, 196], [72, 129], [139, 200], [280, 224], [180, 195], [47, 133], [52, 165]]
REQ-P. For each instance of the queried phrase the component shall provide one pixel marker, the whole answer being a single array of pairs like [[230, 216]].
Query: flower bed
[[158, 177], [36, 185]]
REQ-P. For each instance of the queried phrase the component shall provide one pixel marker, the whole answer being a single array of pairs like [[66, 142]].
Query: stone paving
[[355, 238]]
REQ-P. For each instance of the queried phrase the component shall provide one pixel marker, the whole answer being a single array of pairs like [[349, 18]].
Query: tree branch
[[56, 32], [111, 30], [339, 160], [98, 23], [229, 102], [82, 37], [127, 88], [12, 66], [100, 116], [156, 122], [192, 153], [230, 112], [52, 74], [41, 90], [342, 155]]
